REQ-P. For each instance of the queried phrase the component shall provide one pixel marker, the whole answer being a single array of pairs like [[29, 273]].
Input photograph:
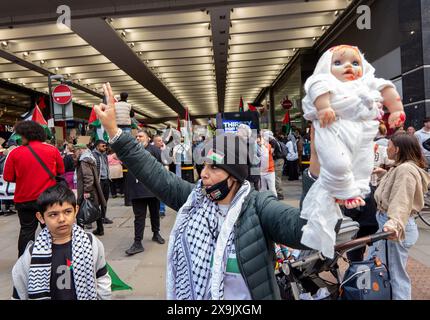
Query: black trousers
[[28, 221], [293, 170], [105, 184], [127, 200], [358, 254], [255, 181], [139, 209], [199, 168], [188, 175], [117, 185]]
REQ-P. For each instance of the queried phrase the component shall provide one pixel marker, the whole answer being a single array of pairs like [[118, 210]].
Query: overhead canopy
[[166, 56]]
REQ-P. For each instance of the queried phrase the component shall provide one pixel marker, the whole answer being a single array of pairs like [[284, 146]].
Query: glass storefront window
[[290, 86]]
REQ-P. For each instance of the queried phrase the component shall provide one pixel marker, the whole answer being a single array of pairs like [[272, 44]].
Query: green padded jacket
[[263, 219]]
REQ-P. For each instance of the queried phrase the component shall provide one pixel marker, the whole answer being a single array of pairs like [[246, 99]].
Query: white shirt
[[292, 152], [235, 287], [381, 159], [422, 136]]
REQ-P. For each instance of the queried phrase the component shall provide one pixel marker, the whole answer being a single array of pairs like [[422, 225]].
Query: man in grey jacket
[[103, 169]]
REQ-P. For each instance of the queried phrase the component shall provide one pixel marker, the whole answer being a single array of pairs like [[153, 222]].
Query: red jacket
[[23, 168]]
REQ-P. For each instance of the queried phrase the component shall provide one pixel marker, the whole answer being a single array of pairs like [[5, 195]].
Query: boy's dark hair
[[57, 194], [123, 96], [31, 130]]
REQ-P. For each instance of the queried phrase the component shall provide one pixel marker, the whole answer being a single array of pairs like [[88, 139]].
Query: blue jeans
[[162, 208], [397, 257], [126, 129]]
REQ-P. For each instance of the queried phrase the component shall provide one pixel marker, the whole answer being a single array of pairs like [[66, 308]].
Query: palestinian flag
[[134, 123], [38, 117], [187, 130], [69, 264], [99, 132], [178, 126], [41, 102], [215, 157], [241, 104], [251, 107], [117, 283], [286, 125]]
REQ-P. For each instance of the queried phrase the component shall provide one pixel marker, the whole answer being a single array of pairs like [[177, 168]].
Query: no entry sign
[[62, 94]]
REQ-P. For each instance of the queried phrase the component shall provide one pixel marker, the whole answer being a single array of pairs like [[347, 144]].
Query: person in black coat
[[141, 198]]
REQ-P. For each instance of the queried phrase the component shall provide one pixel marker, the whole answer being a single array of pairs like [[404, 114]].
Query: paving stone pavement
[[146, 272]]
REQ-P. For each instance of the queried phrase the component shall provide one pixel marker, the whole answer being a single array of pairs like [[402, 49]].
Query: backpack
[[426, 144], [283, 151]]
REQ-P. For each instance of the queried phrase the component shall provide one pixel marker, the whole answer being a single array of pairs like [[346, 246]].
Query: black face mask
[[218, 191]]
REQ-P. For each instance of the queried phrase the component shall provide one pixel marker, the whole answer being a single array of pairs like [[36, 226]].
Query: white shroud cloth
[[345, 148]]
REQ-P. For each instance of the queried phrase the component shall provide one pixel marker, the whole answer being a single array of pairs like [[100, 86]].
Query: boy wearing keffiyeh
[[64, 263]]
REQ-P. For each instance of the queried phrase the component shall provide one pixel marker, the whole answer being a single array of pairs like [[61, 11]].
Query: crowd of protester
[[205, 194]]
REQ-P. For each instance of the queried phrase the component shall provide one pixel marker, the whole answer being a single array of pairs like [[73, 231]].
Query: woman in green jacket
[[221, 246]]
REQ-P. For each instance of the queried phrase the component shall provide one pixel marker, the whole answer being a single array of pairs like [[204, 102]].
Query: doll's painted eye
[[337, 63], [356, 63]]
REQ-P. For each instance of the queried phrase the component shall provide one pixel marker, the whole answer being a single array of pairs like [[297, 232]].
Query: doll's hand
[[351, 203], [396, 119], [326, 117]]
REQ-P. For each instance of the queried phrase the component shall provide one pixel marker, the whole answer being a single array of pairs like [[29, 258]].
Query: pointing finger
[[105, 91], [111, 97]]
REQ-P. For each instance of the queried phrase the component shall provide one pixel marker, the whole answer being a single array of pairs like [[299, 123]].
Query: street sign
[[62, 94]]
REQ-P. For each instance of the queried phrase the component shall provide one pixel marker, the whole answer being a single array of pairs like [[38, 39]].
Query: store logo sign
[[64, 20], [364, 20]]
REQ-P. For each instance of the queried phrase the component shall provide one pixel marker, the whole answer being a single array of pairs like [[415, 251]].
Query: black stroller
[[299, 276]]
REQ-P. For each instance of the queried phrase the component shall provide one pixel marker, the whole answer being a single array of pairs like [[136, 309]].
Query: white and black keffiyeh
[[198, 236], [83, 266]]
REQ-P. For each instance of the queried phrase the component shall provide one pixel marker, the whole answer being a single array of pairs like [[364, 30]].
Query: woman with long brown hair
[[399, 195]]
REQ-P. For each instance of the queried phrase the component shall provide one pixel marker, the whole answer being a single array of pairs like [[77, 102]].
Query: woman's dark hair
[[30, 130], [382, 129], [409, 149], [57, 194]]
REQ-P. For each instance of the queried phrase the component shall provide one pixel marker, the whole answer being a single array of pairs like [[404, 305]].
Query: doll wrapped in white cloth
[[344, 101]]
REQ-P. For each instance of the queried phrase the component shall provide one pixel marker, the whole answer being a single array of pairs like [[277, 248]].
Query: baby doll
[[344, 102]]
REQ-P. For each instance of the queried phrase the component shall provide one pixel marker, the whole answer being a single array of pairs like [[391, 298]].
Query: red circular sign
[[62, 94], [287, 104]]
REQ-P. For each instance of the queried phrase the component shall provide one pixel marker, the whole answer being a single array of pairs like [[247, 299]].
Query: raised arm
[[394, 104], [169, 188], [166, 186], [281, 222]]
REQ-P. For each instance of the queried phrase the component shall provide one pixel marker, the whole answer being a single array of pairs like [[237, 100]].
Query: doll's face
[[346, 65]]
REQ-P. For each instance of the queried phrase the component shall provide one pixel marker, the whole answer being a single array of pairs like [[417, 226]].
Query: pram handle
[[380, 236], [360, 242]]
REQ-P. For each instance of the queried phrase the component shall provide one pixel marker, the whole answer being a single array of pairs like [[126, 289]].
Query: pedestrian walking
[[88, 182], [100, 154]]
